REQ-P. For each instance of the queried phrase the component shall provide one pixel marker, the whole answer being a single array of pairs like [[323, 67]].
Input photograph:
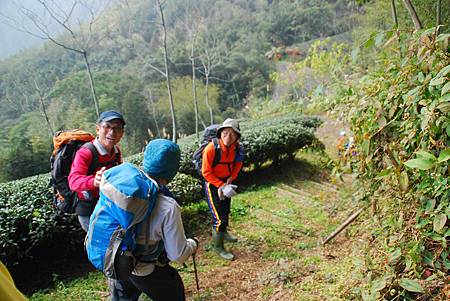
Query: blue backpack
[[127, 198]]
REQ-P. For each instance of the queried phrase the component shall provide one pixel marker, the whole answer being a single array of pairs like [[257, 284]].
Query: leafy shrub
[[28, 220], [400, 118]]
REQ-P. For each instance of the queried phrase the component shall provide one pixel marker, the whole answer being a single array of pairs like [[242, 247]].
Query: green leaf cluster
[[399, 113]]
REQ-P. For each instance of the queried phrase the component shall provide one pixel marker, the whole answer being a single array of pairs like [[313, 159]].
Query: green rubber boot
[[228, 237], [218, 238]]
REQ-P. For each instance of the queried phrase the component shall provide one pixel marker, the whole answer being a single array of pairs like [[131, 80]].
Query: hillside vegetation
[[392, 89], [225, 41], [388, 88]]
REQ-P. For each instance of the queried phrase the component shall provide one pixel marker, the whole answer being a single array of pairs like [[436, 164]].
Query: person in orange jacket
[[218, 181]]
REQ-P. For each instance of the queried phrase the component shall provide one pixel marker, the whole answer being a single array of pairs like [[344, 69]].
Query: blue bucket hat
[[110, 115], [162, 159]]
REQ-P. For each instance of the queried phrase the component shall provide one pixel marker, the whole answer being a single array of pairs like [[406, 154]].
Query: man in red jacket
[[219, 179], [92, 159]]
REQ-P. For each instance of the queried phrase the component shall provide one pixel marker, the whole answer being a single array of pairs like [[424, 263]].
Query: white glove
[[229, 190]]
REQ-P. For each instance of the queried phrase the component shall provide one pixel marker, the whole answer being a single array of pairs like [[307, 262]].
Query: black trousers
[[220, 209], [163, 284]]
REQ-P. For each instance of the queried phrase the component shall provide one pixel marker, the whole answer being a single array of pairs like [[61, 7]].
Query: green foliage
[[312, 20], [399, 116], [28, 221], [235, 35], [317, 82], [28, 151], [184, 105]]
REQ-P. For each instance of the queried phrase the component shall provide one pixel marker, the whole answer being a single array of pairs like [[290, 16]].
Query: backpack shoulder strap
[[239, 152], [90, 146], [217, 152]]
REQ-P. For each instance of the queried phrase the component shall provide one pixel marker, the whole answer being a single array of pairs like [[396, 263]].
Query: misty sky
[[12, 40]]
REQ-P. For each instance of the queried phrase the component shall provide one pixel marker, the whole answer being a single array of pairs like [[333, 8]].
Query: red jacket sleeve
[[79, 180]]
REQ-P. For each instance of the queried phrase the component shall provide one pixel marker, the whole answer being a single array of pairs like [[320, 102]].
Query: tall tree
[[149, 96], [413, 14], [194, 87], [159, 5], [42, 97], [211, 56], [438, 15]]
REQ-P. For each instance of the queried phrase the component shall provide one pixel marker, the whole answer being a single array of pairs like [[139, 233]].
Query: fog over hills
[[13, 40]]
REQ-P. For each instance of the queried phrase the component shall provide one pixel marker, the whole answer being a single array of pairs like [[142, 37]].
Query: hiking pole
[[195, 272]]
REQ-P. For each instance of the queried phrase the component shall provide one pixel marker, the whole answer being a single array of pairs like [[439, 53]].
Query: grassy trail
[[280, 220]]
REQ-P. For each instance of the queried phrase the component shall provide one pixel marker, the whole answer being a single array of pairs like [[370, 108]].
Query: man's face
[[228, 136], [109, 133]]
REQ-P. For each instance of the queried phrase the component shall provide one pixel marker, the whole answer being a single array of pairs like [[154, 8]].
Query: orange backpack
[[65, 145]]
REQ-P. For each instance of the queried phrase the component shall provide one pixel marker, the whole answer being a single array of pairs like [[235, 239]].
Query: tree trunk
[[91, 81], [150, 97], [394, 14], [236, 94], [438, 16], [194, 90], [412, 12], [207, 98], [395, 19], [44, 111], [202, 121], [166, 65]]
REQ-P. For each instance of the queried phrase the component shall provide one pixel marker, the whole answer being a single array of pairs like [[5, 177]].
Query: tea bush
[[264, 140]]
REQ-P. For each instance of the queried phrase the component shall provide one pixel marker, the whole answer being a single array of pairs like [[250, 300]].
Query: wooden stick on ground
[[347, 222]]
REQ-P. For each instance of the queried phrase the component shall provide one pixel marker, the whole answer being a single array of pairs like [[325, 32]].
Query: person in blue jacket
[[161, 238]]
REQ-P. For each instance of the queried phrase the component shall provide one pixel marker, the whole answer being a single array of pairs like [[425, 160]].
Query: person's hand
[[98, 176], [230, 180], [197, 244], [220, 193], [195, 240]]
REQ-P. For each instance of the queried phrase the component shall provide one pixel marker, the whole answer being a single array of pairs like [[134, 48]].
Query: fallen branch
[[347, 222]]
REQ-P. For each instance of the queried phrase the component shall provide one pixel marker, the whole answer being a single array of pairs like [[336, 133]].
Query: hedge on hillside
[[28, 220], [29, 223], [264, 140]]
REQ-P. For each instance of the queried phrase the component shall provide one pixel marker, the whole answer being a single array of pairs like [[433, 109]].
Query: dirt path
[[280, 225]]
